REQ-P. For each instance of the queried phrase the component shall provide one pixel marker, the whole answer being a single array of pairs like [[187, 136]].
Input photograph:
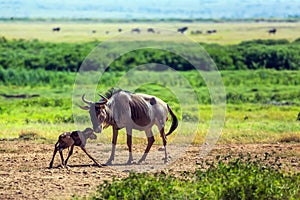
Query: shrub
[[237, 179]]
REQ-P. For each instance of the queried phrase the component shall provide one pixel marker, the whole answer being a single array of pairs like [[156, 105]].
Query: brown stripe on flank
[[139, 111]]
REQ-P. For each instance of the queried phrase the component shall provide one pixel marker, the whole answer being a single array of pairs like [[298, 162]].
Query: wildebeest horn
[[103, 100], [85, 107], [86, 101]]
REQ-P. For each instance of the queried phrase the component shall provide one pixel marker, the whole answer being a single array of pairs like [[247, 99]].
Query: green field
[[259, 110], [227, 32]]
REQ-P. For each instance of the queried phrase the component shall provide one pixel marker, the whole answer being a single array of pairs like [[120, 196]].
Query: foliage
[[236, 179], [256, 54]]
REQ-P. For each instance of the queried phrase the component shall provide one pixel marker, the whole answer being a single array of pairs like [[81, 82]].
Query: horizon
[[134, 9]]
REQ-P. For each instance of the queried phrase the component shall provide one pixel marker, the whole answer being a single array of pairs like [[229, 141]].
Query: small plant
[[28, 136]]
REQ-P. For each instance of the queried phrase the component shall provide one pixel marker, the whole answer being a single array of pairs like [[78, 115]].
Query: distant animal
[[211, 31], [107, 32], [119, 30], [94, 31], [196, 32], [123, 109], [135, 30], [272, 31], [56, 29], [183, 29], [71, 139], [150, 30]]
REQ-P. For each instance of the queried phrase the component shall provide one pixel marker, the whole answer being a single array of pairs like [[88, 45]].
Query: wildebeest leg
[[83, 149], [113, 148], [129, 144], [54, 153], [151, 140], [164, 138], [70, 153]]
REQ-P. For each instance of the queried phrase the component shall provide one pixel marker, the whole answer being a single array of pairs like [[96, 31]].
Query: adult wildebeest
[[57, 29], [183, 29], [272, 31], [123, 109]]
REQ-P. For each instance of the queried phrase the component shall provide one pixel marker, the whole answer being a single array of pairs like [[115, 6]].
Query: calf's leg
[[54, 153], [70, 153], [85, 151]]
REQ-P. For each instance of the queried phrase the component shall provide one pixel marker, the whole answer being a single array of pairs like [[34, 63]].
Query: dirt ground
[[24, 172]]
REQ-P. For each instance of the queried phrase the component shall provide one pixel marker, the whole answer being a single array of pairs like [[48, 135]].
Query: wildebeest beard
[[93, 114]]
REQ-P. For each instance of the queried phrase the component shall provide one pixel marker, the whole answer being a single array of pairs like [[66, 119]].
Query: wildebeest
[[71, 139], [150, 30], [183, 29], [137, 30], [119, 30], [57, 29], [272, 31], [123, 109]]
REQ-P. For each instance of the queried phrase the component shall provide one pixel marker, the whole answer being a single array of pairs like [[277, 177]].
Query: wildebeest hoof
[[141, 161], [130, 162], [166, 160], [109, 162]]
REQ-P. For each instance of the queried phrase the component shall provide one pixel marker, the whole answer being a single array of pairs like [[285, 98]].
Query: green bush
[[256, 54], [238, 179]]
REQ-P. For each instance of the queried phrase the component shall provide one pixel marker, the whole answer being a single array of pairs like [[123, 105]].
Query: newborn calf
[[71, 139]]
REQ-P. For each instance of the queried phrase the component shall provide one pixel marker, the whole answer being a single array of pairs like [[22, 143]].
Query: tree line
[[255, 54]]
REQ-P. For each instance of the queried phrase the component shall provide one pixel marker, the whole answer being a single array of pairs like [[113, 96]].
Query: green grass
[[239, 178], [250, 118], [228, 33]]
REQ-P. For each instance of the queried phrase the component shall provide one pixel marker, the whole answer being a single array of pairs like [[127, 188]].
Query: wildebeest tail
[[174, 121]]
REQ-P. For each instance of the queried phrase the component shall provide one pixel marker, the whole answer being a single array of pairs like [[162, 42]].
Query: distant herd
[[182, 30]]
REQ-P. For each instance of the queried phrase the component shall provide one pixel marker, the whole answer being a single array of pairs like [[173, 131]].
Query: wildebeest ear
[[85, 107]]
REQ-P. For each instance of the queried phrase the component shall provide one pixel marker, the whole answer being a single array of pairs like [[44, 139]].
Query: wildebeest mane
[[113, 91]]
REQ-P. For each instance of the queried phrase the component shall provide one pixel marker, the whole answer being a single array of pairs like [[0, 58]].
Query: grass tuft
[[30, 136], [288, 138]]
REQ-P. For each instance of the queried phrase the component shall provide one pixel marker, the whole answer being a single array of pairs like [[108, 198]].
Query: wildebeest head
[[97, 112]]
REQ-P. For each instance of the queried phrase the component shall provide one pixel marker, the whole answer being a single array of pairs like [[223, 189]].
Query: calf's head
[[89, 133], [97, 112]]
